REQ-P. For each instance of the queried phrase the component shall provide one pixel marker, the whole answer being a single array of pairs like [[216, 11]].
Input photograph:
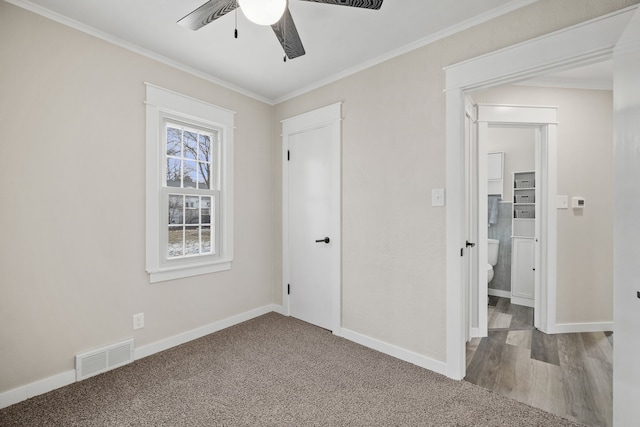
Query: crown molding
[[482, 18], [61, 19]]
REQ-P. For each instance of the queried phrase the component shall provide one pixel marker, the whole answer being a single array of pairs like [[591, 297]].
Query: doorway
[[311, 217], [591, 42], [531, 228]]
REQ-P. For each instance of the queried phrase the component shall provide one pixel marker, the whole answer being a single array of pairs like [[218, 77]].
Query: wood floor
[[569, 375]]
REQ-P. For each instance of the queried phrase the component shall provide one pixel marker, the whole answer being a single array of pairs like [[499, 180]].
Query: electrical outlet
[[138, 321]]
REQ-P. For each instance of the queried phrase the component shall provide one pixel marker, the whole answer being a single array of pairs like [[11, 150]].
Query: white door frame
[[544, 121], [586, 43], [626, 238], [329, 116], [471, 196]]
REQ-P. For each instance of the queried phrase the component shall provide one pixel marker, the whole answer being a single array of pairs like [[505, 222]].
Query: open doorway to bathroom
[[514, 219], [567, 371]]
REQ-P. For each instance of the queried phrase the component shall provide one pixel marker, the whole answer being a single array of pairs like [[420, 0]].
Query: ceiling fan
[[281, 21]]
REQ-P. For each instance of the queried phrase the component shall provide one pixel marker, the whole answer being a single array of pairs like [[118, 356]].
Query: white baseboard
[[572, 328], [397, 352], [527, 302], [18, 394], [167, 343], [500, 293], [45, 385], [279, 309]]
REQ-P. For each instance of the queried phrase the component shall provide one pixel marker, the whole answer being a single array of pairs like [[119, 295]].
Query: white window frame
[[164, 106]]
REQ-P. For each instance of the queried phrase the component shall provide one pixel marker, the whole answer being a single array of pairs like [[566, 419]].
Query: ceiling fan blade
[[287, 33], [365, 4], [207, 13]]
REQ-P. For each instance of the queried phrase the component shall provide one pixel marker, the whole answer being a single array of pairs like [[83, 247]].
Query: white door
[[469, 252], [312, 245], [626, 249]]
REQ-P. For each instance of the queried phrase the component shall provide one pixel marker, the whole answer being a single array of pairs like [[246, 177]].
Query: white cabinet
[[495, 165], [495, 172], [522, 271], [523, 239]]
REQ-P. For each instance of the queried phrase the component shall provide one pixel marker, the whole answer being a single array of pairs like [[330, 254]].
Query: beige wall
[[585, 168], [72, 186], [393, 155]]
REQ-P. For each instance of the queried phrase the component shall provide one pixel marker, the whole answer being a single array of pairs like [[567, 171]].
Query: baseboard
[[474, 333], [572, 328], [18, 394], [394, 351], [167, 343], [277, 308], [499, 293], [45, 385], [527, 302]]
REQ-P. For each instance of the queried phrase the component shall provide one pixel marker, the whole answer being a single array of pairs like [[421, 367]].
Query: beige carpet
[[273, 371]]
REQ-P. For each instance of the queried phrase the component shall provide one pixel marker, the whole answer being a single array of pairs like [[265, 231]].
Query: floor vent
[[104, 359]]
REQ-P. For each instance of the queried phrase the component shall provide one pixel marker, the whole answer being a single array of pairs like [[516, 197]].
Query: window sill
[[165, 274]]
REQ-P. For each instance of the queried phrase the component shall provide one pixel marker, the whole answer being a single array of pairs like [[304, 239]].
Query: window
[[189, 186]]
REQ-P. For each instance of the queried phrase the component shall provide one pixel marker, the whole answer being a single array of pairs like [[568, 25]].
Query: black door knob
[[470, 244], [325, 240]]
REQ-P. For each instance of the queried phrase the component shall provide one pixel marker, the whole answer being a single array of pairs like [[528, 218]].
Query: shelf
[[524, 205]]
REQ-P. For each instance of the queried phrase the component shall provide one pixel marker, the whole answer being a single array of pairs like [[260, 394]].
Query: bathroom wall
[[518, 146], [585, 168]]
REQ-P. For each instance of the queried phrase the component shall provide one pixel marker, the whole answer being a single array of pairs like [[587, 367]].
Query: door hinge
[[288, 155], [288, 289], [461, 251]]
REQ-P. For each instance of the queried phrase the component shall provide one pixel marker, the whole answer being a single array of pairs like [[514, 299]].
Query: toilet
[[492, 257]]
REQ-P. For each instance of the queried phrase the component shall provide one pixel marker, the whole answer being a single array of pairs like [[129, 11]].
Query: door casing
[[543, 121]]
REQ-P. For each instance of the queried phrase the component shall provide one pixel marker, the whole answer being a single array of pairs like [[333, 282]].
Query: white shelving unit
[[523, 238]]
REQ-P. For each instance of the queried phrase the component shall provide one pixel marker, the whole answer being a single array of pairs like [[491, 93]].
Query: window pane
[[204, 146], [206, 240], [174, 142], [190, 175], [192, 240], [173, 172], [176, 242], [192, 210], [203, 175], [205, 210], [190, 145], [176, 203]]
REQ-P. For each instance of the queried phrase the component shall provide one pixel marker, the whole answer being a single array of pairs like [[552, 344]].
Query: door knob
[[326, 240], [470, 244]]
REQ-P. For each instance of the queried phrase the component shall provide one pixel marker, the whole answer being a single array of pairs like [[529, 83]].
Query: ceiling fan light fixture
[[263, 12]]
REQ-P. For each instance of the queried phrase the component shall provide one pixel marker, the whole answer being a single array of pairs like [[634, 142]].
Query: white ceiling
[[338, 40]]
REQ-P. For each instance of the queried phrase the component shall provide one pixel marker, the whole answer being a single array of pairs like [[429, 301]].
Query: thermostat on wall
[[577, 202]]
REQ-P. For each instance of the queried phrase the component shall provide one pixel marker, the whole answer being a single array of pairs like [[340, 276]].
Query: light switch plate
[[437, 197], [562, 202]]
